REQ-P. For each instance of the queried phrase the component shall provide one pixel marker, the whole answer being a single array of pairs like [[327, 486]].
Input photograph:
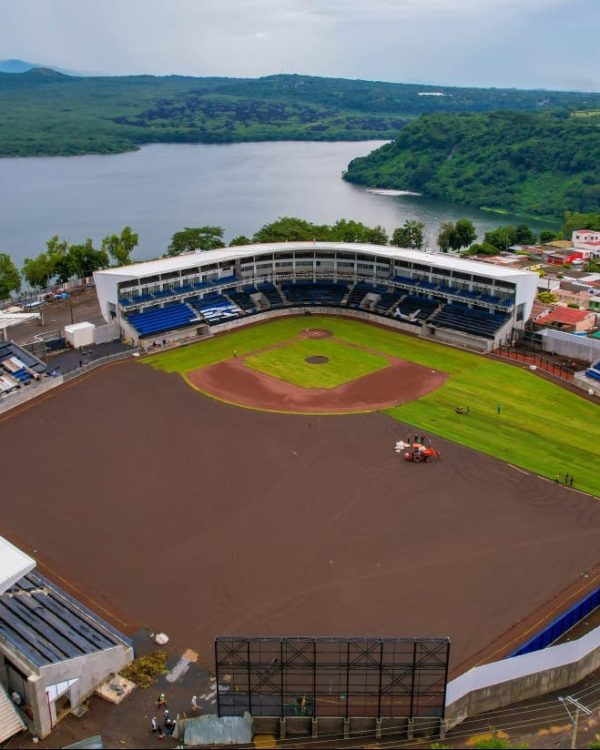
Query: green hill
[[530, 163], [45, 113]]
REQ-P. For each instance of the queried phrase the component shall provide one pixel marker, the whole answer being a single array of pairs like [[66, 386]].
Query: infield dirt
[[171, 510]]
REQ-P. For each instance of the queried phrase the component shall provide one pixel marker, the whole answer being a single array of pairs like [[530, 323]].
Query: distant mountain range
[[22, 66]]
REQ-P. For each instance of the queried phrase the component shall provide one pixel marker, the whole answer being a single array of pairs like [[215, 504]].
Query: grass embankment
[[541, 426], [288, 363]]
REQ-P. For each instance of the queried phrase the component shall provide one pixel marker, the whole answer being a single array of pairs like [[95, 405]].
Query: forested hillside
[[537, 164], [44, 112]]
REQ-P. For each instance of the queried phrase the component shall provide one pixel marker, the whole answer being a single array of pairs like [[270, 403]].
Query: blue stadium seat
[[161, 319]]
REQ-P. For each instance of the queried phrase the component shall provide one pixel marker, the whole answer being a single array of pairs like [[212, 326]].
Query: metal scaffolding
[[332, 677]]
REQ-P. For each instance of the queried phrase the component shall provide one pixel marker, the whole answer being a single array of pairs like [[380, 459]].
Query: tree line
[[531, 163], [104, 114], [62, 261]]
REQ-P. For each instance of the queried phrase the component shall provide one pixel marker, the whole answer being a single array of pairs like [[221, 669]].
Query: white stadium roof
[[14, 564], [191, 260]]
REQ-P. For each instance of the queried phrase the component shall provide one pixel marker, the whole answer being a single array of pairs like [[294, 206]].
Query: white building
[[454, 300], [586, 241]]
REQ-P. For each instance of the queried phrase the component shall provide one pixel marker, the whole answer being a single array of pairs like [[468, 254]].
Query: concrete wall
[[492, 686], [355, 728], [109, 332], [586, 384], [91, 670], [29, 392]]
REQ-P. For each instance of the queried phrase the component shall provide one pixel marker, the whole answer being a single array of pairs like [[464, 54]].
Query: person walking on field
[[195, 706], [161, 701], [154, 724]]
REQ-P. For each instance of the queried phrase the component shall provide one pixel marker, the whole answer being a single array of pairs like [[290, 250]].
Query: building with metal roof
[[54, 652]]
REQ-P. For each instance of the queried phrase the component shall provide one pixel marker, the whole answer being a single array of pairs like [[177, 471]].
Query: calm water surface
[[162, 188]]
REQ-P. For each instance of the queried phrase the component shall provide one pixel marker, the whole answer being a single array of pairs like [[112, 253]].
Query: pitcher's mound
[[317, 359]]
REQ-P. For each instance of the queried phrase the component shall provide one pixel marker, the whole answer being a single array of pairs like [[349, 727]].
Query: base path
[[233, 382]]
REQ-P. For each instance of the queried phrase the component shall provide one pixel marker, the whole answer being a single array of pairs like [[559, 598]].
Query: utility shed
[[80, 334], [54, 652]]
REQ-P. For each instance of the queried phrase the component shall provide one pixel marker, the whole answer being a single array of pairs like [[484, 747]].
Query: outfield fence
[[536, 360]]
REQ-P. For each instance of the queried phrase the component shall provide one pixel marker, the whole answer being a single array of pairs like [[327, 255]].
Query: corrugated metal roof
[[46, 626], [90, 743], [215, 730], [10, 721]]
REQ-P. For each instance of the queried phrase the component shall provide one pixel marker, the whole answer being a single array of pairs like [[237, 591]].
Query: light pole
[[573, 702]]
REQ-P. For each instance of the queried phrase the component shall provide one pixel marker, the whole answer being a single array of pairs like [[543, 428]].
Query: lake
[[162, 188]]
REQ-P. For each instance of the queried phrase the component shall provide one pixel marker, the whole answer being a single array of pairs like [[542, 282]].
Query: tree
[[481, 249], [56, 248], [60, 261], [444, 236], [546, 298], [576, 220], [547, 235], [376, 235], [241, 240], [120, 246], [62, 268], [410, 234], [523, 235], [195, 238], [10, 278], [38, 271], [286, 229], [464, 234], [501, 238], [86, 259]]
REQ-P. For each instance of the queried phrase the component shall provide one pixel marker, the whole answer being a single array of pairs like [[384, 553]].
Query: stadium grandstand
[[454, 300]]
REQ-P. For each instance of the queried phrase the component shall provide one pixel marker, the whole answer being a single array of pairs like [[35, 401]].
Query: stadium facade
[[454, 300]]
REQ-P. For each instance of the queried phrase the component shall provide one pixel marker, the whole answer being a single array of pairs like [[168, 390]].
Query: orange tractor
[[417, 452]]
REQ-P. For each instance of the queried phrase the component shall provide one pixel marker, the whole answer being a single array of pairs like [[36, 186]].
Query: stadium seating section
[[415, 309], [18, 368], [272, 294], [459, 317], [325, 292], [215, 308], [593, 372], [416, 302], [160, 319]]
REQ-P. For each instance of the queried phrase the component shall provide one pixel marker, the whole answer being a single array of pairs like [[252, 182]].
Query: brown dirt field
[[233, 382], [197, 519]]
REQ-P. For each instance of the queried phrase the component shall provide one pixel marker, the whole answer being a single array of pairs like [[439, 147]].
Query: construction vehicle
[[416, 452]]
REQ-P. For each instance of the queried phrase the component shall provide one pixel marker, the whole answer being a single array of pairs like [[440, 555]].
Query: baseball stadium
[[314, 439]]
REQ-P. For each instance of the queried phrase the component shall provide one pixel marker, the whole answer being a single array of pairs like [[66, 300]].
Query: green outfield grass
[[541, 426], [288, 363]]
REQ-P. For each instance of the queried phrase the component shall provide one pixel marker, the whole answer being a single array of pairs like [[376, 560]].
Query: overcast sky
[[550, 44]]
